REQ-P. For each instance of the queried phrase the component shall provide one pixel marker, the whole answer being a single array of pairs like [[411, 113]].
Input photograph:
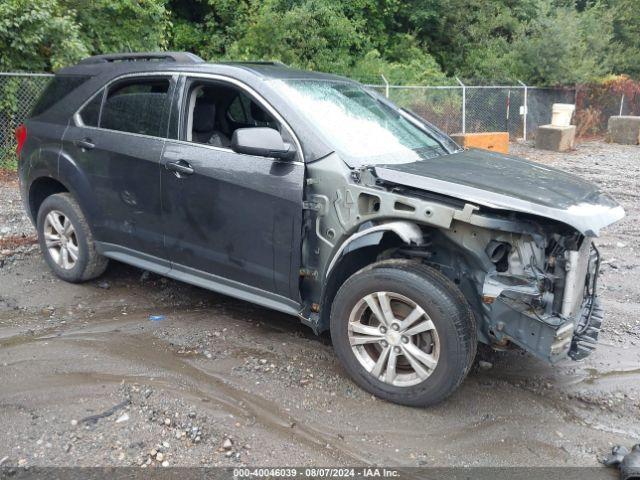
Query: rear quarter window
[[59, 87], [90, 113]]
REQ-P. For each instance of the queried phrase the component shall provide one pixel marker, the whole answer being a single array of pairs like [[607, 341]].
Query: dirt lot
[[88, 379]]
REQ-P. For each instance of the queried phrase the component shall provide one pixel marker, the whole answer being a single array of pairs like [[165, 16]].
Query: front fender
[[408, 232]]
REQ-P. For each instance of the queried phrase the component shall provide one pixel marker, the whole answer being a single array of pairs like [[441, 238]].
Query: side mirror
[[261, 142]]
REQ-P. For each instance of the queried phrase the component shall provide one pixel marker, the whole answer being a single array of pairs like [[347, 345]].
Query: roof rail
[[178, 57], [257, 62]]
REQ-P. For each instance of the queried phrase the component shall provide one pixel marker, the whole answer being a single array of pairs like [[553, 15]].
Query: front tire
[[404, 332], [66, 240]]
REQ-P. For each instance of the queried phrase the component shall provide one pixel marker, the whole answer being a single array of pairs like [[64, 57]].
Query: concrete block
[[558, 139], [494, 141], [624, 129], [561, 114]]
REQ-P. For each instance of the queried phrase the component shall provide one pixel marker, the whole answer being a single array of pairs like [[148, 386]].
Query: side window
[[214, 110], [137, 106], [237, 111], [90, 114], [244, 112]]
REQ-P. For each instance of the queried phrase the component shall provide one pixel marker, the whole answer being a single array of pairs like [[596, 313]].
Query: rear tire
[[404, 332], [66, 240]]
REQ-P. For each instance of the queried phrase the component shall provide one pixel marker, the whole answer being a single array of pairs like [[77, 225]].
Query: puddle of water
[[149, 352], [594, 375], [131, 339], [618, 431]]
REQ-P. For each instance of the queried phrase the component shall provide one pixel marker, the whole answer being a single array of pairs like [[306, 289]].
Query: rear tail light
[[21, 136]]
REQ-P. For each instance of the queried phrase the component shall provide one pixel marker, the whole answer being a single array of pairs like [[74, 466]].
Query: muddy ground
[[86, 378]]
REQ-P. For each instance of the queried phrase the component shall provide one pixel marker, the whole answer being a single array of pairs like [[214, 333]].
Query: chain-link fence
[[18, 95], [494, 109], [441, 105], [594, 106], [518, 109], [539, 106]]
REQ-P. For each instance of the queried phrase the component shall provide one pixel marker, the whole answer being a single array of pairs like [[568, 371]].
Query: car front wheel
[[403, 332]]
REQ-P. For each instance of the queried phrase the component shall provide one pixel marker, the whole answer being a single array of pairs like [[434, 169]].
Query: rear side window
[[137, 107], [59, 87]]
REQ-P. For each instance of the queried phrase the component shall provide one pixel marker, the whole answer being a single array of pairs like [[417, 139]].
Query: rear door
[[233, 219], [117, 139]]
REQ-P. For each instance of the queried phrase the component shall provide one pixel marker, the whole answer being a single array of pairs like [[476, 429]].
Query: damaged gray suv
[[308, 194]]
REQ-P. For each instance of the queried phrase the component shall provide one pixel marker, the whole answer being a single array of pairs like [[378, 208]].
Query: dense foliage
[[543, 42]]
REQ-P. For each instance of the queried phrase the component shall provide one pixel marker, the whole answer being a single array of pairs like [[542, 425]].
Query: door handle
[[85, 144], [181, 167]]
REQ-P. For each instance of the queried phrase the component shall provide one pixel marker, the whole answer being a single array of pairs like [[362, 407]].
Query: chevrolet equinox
[[309, 194]]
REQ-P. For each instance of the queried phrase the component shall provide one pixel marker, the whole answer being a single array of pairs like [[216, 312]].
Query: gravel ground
[[16, 230], [88, 379]]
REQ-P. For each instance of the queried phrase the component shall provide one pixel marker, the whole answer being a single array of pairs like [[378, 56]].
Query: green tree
[[467, 37], [563, 46], [539, 41], [109, 26], [314, 34], [209, 27], [405, 63], [38, 35], [349, 38], [625, 45]]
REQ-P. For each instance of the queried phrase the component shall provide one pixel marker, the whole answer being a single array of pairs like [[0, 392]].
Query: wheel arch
[[40, 189], [359, 250], [422, 243], [68, 177]]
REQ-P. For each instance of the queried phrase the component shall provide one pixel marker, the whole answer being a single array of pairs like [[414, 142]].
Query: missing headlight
[[498, 253]]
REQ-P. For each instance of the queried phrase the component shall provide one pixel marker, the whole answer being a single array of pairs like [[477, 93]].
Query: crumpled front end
[[536, 224], [544, 299]]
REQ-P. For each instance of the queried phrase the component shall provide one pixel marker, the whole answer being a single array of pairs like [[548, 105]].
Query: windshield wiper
[[429, 152], [439, 137]]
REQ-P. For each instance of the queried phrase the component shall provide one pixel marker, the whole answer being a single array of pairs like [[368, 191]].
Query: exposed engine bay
[[552, 287], [530, 278]]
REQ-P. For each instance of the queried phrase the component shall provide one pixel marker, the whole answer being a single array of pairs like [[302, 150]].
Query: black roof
[[121, 63]]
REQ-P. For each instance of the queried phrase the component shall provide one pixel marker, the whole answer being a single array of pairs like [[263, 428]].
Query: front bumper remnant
[[551, 338], [521, 312]]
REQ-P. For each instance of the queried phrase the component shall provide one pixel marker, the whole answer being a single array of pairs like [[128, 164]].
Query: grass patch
[[10, 165], [8, 159]]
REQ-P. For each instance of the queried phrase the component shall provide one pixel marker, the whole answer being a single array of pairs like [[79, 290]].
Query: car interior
[[215, 111]]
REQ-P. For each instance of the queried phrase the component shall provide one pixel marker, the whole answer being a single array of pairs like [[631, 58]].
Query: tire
[[408, 285], [82, 260]]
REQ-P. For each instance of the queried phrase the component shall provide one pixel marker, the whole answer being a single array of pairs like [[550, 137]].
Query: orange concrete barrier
[[494, 141]]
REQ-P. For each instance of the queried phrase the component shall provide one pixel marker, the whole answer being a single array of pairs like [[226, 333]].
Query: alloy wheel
[[393, 338], [61, 240]]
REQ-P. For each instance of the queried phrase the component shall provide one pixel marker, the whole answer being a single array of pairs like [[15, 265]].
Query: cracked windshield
[[362, 129]]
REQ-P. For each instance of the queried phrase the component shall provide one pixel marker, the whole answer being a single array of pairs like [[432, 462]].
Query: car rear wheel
[[403, 332], [66, 240]]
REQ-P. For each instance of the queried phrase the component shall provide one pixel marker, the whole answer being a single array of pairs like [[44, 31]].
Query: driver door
[[231, 219]]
